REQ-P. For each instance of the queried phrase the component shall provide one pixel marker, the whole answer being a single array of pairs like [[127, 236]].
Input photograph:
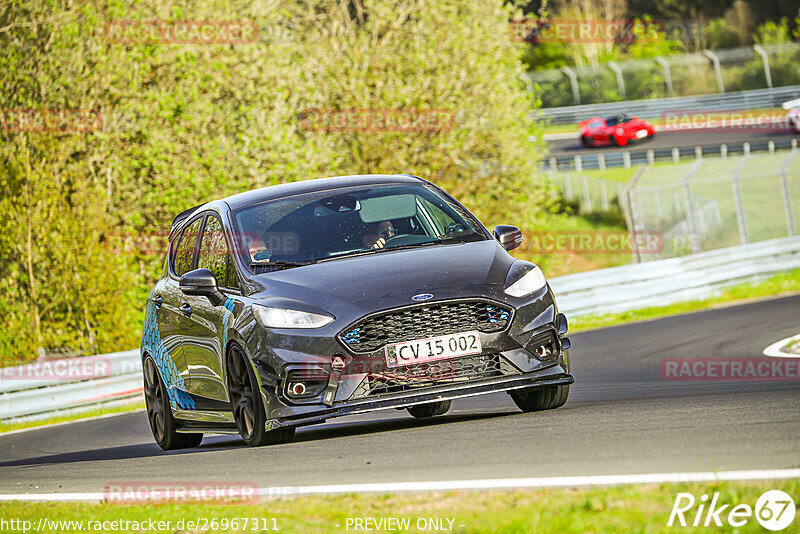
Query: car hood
[[362, 284]]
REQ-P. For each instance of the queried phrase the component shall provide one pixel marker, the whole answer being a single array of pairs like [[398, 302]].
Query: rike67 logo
[[774, 510]]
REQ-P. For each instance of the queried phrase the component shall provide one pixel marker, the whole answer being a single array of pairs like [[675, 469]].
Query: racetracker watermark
[[592, 242], [534, 30], [774, 510], [378, 120], [729, 369], [207, 32], [83, 368], [276, 243], [739, 120], [140, 491], [58, 120]]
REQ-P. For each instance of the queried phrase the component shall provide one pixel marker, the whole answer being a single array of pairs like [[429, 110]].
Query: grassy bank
[[71, 417], [615, 509], [783, 284]]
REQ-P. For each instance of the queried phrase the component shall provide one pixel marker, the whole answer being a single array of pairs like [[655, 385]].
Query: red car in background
[[618, 130]]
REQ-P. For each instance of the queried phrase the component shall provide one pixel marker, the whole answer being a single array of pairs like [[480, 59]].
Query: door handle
[[157, 300], [186, 310]]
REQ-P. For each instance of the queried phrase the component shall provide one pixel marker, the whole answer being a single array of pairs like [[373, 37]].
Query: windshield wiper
[[279, 265], [383, 249]]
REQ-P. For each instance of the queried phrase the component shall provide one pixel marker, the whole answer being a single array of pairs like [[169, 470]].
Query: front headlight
[[531, 281], [286, 318]]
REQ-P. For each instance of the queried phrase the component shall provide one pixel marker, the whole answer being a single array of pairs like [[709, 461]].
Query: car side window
[[214, 250], [184, 255], [232, 280]]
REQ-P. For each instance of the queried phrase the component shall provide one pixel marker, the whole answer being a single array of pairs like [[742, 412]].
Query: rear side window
[[232, 279], [184, 254], [213, 250]]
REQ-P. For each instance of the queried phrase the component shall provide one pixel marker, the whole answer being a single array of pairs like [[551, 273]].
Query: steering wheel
[[394, 238]]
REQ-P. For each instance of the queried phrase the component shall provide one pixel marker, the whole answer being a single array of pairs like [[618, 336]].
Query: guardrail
[[663, 282], [739, 101], [47, 388], [606, 290], [650, 156]]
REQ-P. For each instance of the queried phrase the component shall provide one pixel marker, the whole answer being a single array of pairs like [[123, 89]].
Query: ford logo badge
[[421, 297]]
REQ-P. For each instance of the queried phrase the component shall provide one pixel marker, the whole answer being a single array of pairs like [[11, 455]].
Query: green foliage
[[182, 124]]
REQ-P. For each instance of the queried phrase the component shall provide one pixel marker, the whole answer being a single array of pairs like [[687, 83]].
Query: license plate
[[641, 133], [433, 348]]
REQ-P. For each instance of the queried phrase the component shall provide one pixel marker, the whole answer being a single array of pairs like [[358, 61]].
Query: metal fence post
[[765, 59], [578, 163], [717, 70], [737, 197], [568, 187], [694, 237], [676, 155], [553, 163], [651, 157], [620, 80], [667, 75], [601, 161], [626, 159], [573, 80], [627, 207], [787, 199], [723, 151], [587, 198], [603, 195]]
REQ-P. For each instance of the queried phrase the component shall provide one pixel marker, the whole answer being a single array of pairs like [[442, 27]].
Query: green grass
[[782, 284], [8, 427], [614, 509]]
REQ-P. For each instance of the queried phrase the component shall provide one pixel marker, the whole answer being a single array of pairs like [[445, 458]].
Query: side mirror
[[201, 283], [510, 237]]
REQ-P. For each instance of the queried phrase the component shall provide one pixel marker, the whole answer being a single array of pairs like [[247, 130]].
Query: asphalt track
[[621, 418], [680, 139]]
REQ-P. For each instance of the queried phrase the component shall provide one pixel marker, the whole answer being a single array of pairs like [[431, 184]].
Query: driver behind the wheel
[[377, 233]]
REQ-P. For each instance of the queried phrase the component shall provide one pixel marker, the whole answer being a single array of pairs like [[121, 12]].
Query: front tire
[[430, 409], [540, 398], [162, 423], [248, 410]]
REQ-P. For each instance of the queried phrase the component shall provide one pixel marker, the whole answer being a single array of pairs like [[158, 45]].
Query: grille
[[428, 375], [425, 321]]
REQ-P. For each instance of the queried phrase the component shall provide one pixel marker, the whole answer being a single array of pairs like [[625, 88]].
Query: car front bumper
[[553, 376], [515, 364]]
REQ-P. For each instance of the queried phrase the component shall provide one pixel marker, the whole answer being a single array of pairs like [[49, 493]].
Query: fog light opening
[[297, 389]]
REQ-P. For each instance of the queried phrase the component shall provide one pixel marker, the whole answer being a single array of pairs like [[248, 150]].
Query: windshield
[[336, 223]]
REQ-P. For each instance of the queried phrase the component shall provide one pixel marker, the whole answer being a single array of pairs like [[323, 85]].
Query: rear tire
[[159, 414], [248, 410], [430, 409], [541, 398]]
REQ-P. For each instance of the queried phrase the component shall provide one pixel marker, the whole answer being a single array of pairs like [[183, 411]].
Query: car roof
[[318, 184]]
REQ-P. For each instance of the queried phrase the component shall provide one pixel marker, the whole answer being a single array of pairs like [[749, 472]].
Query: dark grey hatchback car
[[296, 303]]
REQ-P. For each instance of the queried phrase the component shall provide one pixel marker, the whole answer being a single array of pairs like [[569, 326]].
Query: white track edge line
[[775, 351], [454, 485]]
